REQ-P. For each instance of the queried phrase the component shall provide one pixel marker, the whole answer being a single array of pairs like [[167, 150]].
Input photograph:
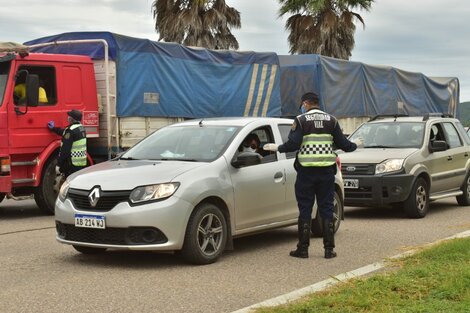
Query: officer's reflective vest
[[78, 151], [316, 149]]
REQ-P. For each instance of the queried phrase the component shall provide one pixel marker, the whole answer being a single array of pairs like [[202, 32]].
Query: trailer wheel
[[46, 193]]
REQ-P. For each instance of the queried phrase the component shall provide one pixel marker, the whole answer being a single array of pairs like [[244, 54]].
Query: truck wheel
[[206, 235], [317, 228], [417, 204], [46, 193], [465, 198], [89, 250]]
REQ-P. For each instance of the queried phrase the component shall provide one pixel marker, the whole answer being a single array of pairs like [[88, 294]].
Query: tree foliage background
[[323, 27], [201, 23]]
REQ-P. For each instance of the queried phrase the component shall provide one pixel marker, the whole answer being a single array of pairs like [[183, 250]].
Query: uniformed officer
[[313, 134], [72, 155]]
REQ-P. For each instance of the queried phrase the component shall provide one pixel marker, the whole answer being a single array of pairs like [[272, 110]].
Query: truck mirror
[[32, 90]]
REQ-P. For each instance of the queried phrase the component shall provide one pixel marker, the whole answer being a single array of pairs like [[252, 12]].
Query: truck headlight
[[391, 165], [63, 190], [153, 192]]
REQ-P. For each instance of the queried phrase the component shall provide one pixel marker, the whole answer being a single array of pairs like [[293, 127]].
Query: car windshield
[[184, 143], [390, 134]]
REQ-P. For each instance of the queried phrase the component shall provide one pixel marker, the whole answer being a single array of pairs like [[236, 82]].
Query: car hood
[[126, 175], [375, 155]]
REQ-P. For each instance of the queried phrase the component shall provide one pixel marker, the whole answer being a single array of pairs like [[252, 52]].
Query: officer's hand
[[359, 142], [50, 125], [270, 147], [57, 170]]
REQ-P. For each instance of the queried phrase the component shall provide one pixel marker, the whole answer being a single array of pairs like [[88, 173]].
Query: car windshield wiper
[[178, 159], [128, 158], [379, 146]]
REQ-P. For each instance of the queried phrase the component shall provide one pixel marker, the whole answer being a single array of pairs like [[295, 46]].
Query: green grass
[[434, 280]]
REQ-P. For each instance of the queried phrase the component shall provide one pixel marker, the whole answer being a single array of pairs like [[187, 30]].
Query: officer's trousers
[[319, 183]]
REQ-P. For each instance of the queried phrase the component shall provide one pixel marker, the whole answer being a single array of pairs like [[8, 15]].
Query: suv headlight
[[63, 190], [387, 166], [153, 192]]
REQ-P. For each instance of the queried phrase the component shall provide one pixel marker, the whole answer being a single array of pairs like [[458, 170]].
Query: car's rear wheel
[[417, 204], [317, 228], [206, 235], [89, 250], [464, 199]]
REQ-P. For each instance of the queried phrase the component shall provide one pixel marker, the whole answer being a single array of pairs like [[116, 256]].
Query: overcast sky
[[428, 36]]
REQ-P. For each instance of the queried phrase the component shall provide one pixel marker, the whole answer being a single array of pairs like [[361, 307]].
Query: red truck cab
[[28, 150]]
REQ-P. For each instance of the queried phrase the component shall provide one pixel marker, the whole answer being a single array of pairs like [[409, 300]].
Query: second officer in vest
[[313, 135], [72, 155]]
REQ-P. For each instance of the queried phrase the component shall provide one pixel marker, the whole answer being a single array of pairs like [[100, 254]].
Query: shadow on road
[[16, 210], [397, 212], [163, 260]]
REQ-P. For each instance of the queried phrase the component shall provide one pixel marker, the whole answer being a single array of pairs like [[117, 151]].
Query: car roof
[[231, 121], [409, 119]]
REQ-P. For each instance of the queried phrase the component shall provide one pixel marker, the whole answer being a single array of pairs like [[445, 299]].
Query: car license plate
[[90, 221], [351, 183]]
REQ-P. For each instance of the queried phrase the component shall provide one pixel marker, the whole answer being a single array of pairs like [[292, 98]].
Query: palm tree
[[201, 23], [323, 27]]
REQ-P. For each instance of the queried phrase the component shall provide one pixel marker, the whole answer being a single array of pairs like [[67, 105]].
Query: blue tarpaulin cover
[[352, 89], [171, 80]]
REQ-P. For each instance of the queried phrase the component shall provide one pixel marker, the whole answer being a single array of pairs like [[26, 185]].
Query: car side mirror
[[246, 159], [438, 145]]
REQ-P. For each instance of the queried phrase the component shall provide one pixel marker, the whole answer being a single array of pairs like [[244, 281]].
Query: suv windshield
[[185, 143], [4, 69], [391, 134]]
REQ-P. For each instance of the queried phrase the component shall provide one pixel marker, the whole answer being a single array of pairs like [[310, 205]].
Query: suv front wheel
[[464, 199], [417, 204]]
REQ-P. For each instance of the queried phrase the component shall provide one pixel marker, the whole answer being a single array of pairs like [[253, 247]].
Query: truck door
[[28, 133]]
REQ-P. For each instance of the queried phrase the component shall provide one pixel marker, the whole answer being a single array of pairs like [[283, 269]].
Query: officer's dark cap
[[75, 114], [310, 97]]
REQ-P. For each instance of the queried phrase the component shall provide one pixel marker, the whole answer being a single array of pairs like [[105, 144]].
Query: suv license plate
[[351, 183], [90, 221]]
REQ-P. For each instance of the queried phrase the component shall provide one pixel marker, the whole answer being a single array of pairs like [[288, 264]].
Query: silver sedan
[[191, 186]]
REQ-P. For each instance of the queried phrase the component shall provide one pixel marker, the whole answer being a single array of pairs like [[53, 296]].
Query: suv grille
[[357, 169], [107, 200]]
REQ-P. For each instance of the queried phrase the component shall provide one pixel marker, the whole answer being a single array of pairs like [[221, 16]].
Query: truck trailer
[[129, 87]]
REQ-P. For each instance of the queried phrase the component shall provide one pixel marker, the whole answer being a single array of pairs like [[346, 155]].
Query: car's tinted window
[[452, 135], [391, 134], [465, 130], [191, 143]]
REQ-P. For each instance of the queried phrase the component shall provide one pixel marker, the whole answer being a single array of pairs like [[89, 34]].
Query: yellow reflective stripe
[[251, 91], [270, 89], [264, 71]]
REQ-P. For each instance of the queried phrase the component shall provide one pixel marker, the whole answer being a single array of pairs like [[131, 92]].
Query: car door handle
[[465, 155], [449, 158], [278, 175]]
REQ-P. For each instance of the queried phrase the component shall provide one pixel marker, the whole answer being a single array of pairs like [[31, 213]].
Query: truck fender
[[43, 158]]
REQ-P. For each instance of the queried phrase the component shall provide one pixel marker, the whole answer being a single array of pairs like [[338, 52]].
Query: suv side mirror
[[438, 145], [246, 159]]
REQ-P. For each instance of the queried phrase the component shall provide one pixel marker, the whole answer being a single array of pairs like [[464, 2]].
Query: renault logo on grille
[[94, 196], [350, 168]]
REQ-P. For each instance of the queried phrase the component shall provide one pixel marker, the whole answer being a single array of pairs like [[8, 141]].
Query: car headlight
[[153, 192], [391, 165], [63, 190]]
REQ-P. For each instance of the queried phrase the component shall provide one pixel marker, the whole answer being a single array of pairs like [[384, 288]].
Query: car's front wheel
[[464, 199], [317, 228], [89, 250], [417, 204], [206, 235]]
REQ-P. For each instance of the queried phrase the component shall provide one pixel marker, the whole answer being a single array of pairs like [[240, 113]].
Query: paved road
[[37, 274]]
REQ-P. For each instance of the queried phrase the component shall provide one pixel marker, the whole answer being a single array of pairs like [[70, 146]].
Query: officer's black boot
[[329, 238], [304, 239]]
